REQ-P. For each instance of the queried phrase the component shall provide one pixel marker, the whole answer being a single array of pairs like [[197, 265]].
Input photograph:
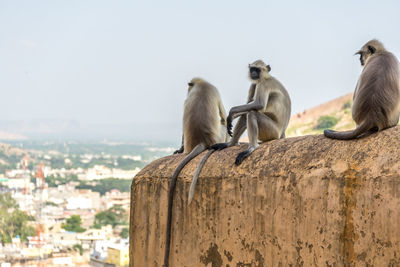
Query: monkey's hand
[[219, 146], [229, 125], [179, 151]]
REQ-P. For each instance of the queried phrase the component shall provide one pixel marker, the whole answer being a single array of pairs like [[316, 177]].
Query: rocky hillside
[[335, 114], [10, 155]]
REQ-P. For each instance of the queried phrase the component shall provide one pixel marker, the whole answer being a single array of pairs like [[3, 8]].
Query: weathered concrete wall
[[305, 201]]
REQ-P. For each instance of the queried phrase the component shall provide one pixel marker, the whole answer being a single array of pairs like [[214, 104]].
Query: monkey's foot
[[241, 156], [219, 146], [179, 151]]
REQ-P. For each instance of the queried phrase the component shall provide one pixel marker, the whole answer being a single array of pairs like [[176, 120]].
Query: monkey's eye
[[190, 84]]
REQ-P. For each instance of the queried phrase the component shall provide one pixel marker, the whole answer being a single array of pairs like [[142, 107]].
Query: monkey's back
[[201, 121], [377, 96], [279, 104]]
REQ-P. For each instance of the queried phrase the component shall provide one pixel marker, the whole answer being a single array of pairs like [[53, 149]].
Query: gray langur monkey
[[204, 124], [266, 114], [376, 99]]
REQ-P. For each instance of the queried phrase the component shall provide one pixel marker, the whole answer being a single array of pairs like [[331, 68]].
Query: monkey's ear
[[268, 68], [371, 49]]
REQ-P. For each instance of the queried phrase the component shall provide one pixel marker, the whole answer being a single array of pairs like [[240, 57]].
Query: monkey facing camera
[[266, 114]]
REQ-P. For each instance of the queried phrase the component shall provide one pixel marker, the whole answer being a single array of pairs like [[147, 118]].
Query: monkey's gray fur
[[376, 100], [204, 124], [266, 114]]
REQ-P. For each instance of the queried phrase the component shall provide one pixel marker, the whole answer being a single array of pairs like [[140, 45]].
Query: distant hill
[[70, 129], [8, 150], [40, 127], [11, 136], [334, 114], [10, 155]]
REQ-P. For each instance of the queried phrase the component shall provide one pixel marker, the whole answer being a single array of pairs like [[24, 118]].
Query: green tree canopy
[[113, 216], [105, 185], [325, 122], [124, 233], [73, 224], [13, 222]]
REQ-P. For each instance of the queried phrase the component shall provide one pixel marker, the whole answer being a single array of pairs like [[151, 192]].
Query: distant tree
[[3, 168], [7, 202], [106, 185], [13, 222], [78, 247], [124, 233], [347, 104], [325, 122], [113, 216], [49, 203], [54, 181], [129, 164], [73, 224]]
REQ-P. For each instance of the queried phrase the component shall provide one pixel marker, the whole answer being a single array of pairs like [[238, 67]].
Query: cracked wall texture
[[303, 201]]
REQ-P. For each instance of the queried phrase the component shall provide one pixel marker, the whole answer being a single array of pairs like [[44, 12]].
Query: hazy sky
[[130, 61]]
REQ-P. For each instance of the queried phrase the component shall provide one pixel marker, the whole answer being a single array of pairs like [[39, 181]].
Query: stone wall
[[304, 201]]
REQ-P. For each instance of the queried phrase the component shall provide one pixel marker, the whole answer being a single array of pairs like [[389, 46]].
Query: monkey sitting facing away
[[376, 100], [266, 114], [204, 124]]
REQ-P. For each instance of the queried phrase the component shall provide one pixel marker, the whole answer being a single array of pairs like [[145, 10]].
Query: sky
[[128, 62]]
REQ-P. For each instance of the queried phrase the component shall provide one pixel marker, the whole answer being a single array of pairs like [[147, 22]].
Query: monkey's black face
[[254, 73], [362, 57], [190, 86], [362, 61]]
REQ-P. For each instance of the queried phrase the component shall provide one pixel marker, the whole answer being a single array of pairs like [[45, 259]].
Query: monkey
[[376, 99], [266, 114], [204, 124]]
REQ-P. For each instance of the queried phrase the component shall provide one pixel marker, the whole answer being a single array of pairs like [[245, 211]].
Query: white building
[[114, 198], [99, 172], [125, 174], [84, 199]]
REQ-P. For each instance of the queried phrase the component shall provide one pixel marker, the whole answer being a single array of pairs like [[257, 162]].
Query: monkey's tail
[[196, 175], [196, 151], [347, 135]]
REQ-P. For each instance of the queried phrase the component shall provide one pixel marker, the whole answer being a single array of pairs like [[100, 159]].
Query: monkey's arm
[[259, 103], [252, 90], [240, 126], [222, 113], [181, 149]]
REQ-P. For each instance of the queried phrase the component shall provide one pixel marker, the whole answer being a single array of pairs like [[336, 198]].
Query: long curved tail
[[197, 173], [347, 135], [196, 151]]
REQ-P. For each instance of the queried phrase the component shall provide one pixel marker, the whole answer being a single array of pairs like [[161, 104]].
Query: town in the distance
[[67, 203]]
